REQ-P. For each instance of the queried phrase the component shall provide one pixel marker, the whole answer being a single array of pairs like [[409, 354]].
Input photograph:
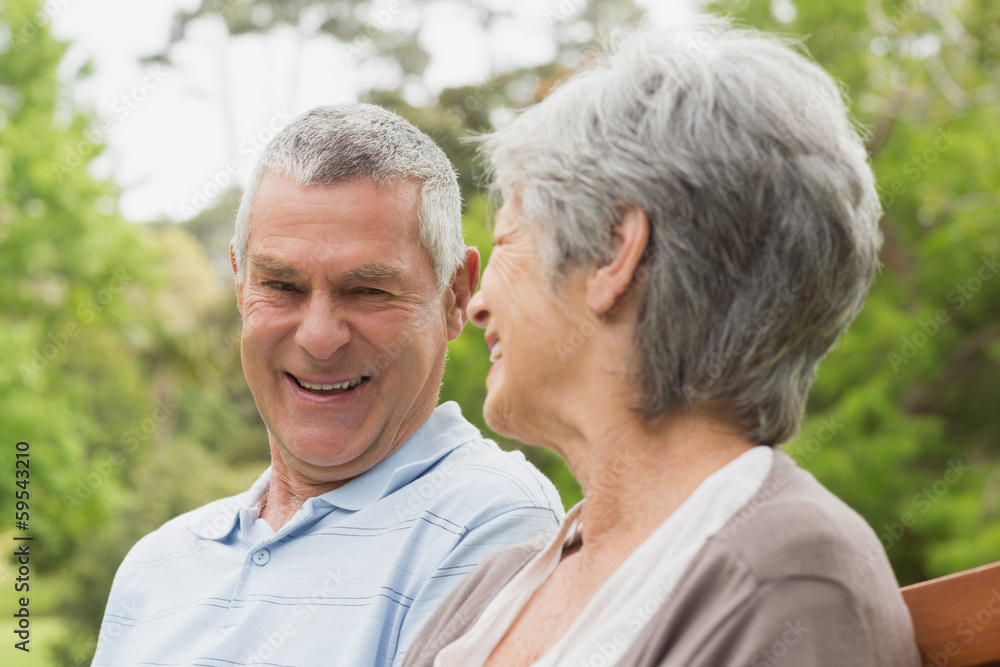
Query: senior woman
[[688, 226]]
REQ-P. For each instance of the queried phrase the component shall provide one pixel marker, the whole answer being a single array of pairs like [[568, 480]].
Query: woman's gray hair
[[762, 205], [334, 144]]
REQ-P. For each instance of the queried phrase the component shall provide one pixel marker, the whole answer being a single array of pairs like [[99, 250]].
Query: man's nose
[[323, 329]]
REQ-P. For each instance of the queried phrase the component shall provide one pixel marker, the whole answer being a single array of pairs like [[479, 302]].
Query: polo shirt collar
[[443, 432], [218, 525]]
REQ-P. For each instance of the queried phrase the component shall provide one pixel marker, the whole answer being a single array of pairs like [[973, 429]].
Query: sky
[[179, 135]]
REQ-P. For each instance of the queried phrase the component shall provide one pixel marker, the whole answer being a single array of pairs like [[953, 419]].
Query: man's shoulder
[[498, 479], [215, 517], [449, 469], [473, 486]]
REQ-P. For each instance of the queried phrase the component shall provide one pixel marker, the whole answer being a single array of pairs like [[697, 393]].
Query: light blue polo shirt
[[348, 580]]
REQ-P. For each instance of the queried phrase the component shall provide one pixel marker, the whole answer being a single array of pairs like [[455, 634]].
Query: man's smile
[[324, 387]]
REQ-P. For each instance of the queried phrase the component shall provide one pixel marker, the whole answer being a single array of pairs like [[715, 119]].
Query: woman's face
[[530, 335]]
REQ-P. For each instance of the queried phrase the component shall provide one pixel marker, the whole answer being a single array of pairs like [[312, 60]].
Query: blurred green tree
[[119, 355], [75, 275]]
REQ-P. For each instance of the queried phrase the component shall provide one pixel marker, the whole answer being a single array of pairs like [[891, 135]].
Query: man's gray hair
[[334, 144], [762, 205]]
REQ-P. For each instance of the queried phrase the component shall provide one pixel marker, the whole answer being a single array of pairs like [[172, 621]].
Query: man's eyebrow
[[375, 271], [273, 266]]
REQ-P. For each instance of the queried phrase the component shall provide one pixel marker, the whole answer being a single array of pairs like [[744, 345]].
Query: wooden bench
[[957, 618]]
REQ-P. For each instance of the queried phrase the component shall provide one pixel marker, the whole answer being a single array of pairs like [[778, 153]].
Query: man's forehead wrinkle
[[376, 270], [271, 264]]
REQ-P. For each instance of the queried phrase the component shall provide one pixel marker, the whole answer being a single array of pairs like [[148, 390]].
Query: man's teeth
[[495, 352], [349, 384]]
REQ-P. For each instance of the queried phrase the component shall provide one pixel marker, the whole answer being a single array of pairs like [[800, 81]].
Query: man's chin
[[319, 455], [320, 458], [322, 471]]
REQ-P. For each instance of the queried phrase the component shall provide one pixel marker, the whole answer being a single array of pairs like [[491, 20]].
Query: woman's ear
[[609, 283]]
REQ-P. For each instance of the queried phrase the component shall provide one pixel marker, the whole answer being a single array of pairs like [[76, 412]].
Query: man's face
[[344, 328]]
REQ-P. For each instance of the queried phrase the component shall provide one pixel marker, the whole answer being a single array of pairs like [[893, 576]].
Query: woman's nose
[[476, 310]]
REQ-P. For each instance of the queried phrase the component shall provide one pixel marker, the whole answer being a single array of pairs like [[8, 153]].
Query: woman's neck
[[635, 475]]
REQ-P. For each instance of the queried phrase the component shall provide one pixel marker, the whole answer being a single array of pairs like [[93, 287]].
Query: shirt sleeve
[[508, 529], [121, 610]]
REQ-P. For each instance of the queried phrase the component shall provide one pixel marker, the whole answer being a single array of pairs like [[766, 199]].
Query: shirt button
[[262, 556]]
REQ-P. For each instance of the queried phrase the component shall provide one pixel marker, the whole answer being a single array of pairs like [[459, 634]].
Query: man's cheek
[[250, 307], [261, 312]]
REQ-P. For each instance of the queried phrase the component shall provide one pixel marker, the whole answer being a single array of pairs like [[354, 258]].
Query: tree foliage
[[75, 275], [117, 357]]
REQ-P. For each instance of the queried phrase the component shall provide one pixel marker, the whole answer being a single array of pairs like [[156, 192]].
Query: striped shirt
[[348, 580]]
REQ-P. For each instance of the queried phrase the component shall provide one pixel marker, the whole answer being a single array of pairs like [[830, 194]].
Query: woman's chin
[[497, 415], [493, 420]]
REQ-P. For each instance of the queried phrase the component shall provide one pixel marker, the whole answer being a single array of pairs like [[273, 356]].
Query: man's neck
[[286, 494]]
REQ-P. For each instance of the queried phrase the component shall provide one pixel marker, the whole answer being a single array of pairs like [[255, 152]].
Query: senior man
[[351, 277]]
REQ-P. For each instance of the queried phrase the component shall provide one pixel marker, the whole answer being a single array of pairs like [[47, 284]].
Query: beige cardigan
[[796, 579]]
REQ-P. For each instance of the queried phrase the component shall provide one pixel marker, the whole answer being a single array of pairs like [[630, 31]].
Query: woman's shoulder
[[794, 526], [795, 548], [796, 574]]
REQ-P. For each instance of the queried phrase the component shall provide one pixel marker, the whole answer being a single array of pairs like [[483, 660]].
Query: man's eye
[[371, 290], [283, 287]]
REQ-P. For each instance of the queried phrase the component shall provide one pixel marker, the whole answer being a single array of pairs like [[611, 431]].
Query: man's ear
[[609, 283], [236, 279], [463, 286]]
